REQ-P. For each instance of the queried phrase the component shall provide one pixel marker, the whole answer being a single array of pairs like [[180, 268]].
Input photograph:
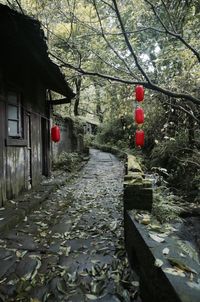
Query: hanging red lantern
[[139, 93], [139, 115], [139, 138], [55, 134]]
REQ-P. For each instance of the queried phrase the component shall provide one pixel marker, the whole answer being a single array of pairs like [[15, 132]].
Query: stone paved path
[[71, 249]]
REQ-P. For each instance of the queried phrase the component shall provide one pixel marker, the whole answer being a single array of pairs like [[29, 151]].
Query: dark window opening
[[14, 116], [15, 121]]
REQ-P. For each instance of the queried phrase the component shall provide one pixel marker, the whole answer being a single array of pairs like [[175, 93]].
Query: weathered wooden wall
[[15, 170], [2, 155], [14, 160]]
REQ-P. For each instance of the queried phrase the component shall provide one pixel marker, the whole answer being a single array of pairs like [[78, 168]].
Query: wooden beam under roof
[[59, 101]]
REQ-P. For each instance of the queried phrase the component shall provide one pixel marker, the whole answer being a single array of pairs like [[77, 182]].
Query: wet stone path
[[71, 248]]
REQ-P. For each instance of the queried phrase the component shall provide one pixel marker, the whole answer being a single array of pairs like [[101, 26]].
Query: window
[[14, 116], [15, 121]]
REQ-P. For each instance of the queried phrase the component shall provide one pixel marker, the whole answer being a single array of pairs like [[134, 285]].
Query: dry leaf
[[193, 285], [156, 238], [91, 297], [173, 271], [158, 262], [180, 264], [165, 251], [35, 300]]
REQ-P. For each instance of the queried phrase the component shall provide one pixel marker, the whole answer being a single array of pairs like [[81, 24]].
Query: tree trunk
[[191, 131], [78, 82], [98, 104]]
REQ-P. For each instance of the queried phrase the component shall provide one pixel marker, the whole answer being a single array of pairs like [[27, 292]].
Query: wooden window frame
[[21, 140]]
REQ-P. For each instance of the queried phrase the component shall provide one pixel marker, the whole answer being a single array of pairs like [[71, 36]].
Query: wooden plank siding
[[15, 171], [36, 148], [2, 155], [18, 162]]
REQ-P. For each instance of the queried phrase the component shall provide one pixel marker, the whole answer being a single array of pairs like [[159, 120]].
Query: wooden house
[[26, 74]]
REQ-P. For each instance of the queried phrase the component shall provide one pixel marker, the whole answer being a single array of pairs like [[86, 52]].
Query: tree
[[149, 43], [117, 35]]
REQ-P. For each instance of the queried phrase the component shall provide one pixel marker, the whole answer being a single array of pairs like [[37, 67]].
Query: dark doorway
[[45, 146], [29, 151], [2, 146]]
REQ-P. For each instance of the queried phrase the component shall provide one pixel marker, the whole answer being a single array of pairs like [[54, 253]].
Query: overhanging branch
[[148, 85]]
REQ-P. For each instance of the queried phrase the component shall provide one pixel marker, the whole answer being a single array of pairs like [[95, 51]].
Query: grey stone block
[[155, 284], [138, 197]]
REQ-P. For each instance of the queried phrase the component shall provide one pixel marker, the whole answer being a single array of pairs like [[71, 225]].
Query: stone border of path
[[157, 283]]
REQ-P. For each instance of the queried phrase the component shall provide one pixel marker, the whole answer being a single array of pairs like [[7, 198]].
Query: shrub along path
[[72, 247]]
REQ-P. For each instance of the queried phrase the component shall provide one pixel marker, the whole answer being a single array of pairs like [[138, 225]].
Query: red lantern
[[139, 93], [139, 138], [139, 115], [55, 134]]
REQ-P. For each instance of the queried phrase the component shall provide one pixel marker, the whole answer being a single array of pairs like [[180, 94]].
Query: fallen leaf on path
[[20, 254], [91, 297], [135, 283], [1, 281], [113, 225]]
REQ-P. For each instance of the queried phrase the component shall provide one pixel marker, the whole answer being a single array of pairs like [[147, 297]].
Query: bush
[[181, 162], [166, 206], [67, 161], [118, 132], [88, 139]]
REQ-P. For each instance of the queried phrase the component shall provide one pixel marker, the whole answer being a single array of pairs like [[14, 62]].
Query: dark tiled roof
[[23, 42]]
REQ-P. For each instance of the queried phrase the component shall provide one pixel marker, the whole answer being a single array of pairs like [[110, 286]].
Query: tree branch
[[148, 85], [20, 7], [173, 34], [182, 109], [129, 44], [108, 43]]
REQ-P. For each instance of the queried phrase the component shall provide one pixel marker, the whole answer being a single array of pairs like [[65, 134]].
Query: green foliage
[[118, 132], [88, 139], [67, 161], [166, 206], [181, 161], [165, 151], [155, 120]]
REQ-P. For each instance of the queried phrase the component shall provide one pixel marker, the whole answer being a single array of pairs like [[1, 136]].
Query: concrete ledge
[[156, 285]]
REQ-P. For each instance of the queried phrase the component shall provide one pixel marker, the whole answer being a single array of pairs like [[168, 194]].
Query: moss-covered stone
[[133, 164]]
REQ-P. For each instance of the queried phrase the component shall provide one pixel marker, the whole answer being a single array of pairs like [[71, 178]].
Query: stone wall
[[138, 193], [160, 280], [71, 137]]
